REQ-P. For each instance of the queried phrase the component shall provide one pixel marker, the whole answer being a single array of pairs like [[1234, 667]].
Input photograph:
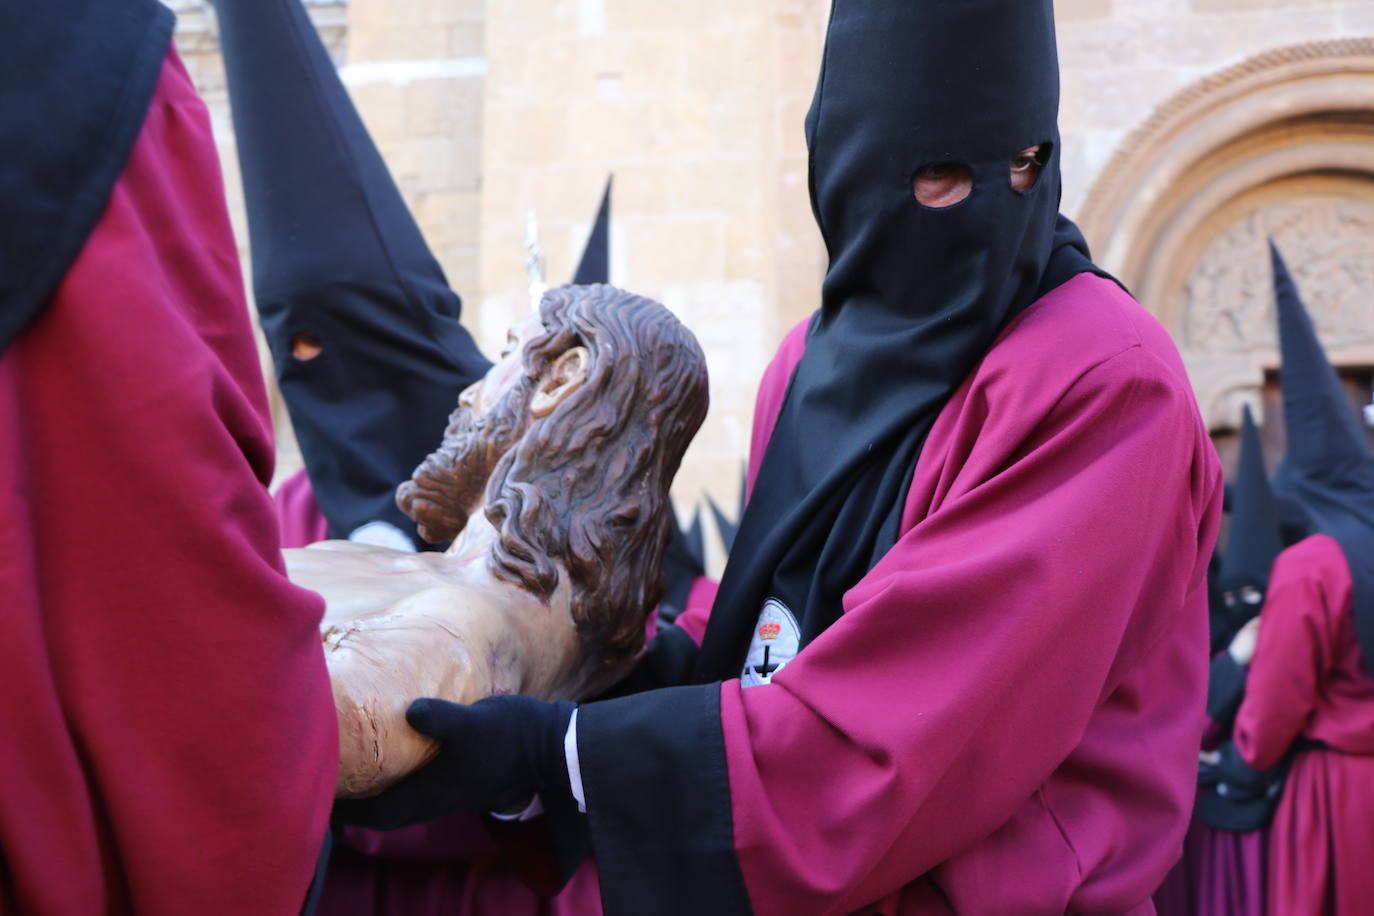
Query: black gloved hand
[[494, 755]]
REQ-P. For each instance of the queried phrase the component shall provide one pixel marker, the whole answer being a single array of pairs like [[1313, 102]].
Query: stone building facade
[[1193, 131]]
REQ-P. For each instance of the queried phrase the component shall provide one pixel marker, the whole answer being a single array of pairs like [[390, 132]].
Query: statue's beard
[[449, 485]]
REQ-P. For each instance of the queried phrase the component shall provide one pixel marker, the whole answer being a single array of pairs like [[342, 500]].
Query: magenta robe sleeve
[[170, 737], [1005, 632], [971, 660], [1291, 655]]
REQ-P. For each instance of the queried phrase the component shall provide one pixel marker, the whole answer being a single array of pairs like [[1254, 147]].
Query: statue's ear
[[561, 378]]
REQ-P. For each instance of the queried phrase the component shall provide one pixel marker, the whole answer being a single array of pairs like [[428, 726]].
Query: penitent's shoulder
[[1087, 323], [1318, 558], [1084, 356]]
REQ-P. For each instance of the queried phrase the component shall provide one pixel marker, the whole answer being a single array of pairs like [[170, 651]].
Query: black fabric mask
[[913, 298], [1329, 468]]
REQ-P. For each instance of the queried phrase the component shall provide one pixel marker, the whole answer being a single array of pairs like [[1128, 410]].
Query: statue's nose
[[468, 396]]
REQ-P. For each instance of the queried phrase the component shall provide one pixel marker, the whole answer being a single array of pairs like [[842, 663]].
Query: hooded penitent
[[338, 258], [913, 296], [1254, 541], [1328, 468], [1233, 795]]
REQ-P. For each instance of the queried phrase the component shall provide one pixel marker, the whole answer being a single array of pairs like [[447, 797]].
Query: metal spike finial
[[534, 259]]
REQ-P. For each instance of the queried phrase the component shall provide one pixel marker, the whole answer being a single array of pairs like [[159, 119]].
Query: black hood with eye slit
[[913, 297]]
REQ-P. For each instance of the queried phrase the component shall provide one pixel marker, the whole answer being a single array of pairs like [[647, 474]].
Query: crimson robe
[[170, 738], [1307, 683], [1006, 718]]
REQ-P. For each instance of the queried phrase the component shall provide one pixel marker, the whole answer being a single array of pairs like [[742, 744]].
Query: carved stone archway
[[1280, 146]]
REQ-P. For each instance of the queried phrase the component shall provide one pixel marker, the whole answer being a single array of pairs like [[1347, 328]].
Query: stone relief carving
[[1137, 153], [1228, 297]]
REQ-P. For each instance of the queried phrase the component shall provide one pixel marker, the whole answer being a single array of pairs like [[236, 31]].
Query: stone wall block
[[449, 217], [465, 163], [789, 123], [647, 64], [635, 15], [796, 294], [552, 192], [443, 107], [369, 18], [725, 60], [460, 266], [523, 20], [738, 122], [731, 187], [444, 12], [466, 39], [600, 130], [523, 134], [797, 230], [1074, 10], [1106, 45], [746, 248], [1231, 6], [1356, 19], [652, 64], [674, 250], [1113, 98], [397, 43], [382, 107]]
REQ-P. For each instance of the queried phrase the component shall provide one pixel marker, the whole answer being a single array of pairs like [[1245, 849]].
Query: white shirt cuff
[[574, 768]]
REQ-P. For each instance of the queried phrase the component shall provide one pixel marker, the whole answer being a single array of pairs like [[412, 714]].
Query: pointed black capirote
[[683, 564], [696, 540], [1328, 468], [913, 296], [1254, 540], [595, 266], [1325, 435], [338, 255], [727, 528]]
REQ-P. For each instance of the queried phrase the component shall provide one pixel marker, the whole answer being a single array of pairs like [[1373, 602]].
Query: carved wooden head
[[584, 487]]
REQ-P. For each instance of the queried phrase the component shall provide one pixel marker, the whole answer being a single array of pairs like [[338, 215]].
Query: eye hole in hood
[[942, 185]]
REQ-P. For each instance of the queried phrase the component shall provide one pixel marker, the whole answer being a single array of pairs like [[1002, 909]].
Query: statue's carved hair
[[587, 485]]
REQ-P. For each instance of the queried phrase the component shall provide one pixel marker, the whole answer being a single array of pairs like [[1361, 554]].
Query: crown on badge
[[769, 631]]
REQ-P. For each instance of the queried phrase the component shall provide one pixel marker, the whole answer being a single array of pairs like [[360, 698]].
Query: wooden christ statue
[[552, 484]]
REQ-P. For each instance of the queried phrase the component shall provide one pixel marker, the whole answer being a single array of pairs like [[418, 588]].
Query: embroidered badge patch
[[773, 644]]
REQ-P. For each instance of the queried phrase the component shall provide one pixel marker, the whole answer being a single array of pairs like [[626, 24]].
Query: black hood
[[76, 79], [1253, 544], [1254, 541], [913, 297], [1329, 468]]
